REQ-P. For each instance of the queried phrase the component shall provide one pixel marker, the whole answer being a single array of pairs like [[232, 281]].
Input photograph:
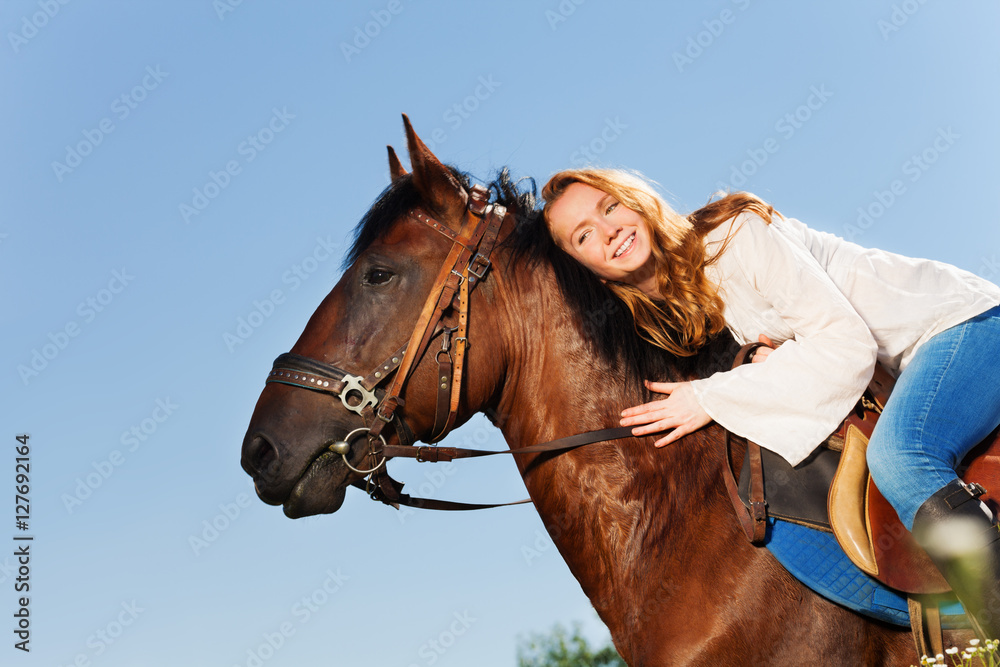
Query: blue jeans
[[944, 404]]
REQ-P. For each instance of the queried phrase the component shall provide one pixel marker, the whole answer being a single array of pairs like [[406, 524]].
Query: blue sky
[[172, 168]]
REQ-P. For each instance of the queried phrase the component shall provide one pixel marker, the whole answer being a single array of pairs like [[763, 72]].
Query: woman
[[827, 310]]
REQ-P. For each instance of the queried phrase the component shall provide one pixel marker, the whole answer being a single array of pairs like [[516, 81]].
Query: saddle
[[832, 490]]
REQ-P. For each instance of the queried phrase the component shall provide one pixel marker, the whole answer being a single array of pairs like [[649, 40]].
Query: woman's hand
[[760, 354], [679, 411]]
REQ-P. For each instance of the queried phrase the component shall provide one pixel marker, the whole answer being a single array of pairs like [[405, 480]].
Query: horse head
[[360, 376]]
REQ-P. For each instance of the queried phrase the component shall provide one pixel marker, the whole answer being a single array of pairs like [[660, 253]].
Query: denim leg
[[944, 404]]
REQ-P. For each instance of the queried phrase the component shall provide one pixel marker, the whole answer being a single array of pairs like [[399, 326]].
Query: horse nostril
[[260, 456]]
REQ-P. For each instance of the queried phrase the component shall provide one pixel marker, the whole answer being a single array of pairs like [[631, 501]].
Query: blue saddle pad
[[813, 557]]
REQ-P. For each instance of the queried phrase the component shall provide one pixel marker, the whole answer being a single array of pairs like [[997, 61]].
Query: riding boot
[[960, 535]]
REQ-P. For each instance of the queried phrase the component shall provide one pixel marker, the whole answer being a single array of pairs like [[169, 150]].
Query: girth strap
[[752, 520]]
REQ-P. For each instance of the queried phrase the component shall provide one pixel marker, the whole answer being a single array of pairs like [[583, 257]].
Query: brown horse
[[649, 534]]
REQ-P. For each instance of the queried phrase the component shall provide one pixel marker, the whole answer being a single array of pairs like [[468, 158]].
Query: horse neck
[[615, 511]]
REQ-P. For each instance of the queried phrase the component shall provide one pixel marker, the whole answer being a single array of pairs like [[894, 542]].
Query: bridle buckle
[[483, 262]]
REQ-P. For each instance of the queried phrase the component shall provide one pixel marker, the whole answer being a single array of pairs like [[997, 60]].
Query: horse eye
[[378, 277]]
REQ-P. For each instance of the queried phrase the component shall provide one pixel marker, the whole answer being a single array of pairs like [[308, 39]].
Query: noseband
[[464, 268]]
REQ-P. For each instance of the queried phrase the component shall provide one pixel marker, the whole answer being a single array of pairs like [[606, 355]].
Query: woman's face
[[604, 235]]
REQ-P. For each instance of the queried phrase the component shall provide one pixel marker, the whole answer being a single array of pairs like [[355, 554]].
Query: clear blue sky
[[118, 115]]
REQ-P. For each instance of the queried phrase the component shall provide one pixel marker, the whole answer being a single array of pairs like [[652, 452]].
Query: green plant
[[562, 648]]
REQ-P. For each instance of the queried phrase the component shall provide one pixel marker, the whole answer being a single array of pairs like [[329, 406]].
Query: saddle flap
[[796, 494], [848, 501]]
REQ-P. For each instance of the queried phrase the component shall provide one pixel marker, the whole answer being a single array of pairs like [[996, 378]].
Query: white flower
[[952, 651], [973, 642]]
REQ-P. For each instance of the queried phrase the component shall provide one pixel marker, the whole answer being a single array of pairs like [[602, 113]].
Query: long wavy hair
[[690, 310]]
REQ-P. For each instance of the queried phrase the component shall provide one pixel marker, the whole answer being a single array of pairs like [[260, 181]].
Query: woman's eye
[[378, 277], [584, 236], [610, 208]]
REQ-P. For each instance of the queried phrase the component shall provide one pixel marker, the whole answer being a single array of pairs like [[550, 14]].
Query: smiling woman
[[835, 309], [615, 224]]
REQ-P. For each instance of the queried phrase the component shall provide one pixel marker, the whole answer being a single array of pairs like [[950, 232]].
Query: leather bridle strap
[[436, 454], [450, 369], [357, 394], [389, 491], [439, 300], [396, 497]]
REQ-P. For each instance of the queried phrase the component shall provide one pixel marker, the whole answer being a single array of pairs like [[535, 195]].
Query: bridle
[[464, 268]]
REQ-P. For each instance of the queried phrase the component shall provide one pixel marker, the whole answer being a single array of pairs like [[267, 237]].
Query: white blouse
[[834, 308]]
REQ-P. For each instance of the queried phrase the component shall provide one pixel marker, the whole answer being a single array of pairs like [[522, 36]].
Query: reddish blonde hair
[[691, 310]]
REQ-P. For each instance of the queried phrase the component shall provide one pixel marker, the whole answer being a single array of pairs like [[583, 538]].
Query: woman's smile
[[626, 246]]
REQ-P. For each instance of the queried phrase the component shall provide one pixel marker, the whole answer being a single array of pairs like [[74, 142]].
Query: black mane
[[401, 196], [603, 319]]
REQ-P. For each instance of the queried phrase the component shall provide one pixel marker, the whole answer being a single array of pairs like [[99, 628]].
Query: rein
[[466, 266]]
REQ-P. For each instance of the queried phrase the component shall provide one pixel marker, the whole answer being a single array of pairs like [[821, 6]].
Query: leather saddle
[[833, 491]]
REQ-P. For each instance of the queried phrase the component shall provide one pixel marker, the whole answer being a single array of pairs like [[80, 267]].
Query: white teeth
[[625, 246]]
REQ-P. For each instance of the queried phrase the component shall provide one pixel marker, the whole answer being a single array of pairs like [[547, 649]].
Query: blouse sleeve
[[794, 400]]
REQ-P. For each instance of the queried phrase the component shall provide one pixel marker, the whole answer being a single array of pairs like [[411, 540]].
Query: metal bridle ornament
[[343, 447]]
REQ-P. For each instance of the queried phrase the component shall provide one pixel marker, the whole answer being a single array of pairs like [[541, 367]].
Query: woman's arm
[[792, 403]]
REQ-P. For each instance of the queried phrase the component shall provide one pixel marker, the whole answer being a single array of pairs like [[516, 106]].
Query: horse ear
[[396, 170], [434, 181]]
